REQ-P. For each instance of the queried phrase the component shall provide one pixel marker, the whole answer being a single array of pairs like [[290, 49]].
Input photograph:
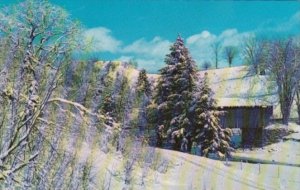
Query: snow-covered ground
[[202, 172], [287, 152], [193, 172], [296, 128], [190, 172]]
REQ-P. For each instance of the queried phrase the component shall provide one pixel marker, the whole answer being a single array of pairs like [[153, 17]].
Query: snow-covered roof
[[239, 87], [241, 102]]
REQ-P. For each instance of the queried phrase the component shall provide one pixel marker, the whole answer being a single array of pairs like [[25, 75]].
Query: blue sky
[[144, 30]]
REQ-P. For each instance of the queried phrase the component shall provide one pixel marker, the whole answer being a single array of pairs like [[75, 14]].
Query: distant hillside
[[89, 83]]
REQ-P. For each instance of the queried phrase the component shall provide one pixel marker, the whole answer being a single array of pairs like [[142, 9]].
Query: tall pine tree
[[207, 130], [175, 91]]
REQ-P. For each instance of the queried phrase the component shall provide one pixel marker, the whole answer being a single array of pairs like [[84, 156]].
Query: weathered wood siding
[[251, 120]]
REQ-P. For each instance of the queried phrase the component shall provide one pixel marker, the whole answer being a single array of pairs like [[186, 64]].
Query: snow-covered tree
[[175, 88], [39, 40], [143, 84], [185, 111], [207, 130]]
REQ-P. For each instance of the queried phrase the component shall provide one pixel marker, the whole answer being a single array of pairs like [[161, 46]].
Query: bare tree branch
[[83, 110]]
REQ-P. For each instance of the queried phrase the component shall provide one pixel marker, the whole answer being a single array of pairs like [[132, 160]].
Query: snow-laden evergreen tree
[[143, 84], [207, 130], [175, 91]]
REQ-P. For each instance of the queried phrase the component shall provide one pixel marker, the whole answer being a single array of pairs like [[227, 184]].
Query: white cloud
[[102, 40], [202, 38], [232, 37], [156, 47], [200, 45], [125, 58], [148, 54]]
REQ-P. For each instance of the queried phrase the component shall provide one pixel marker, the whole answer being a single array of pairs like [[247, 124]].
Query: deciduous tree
[[284, 66], [255, 54], [217, 48], [230, 52], [39, 39]]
